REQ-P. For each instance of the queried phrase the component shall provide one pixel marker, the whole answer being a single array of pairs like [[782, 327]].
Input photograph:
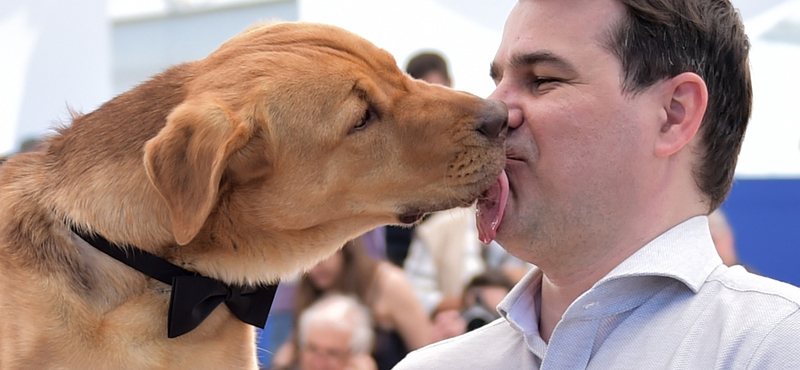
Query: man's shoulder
[[763, 317], [738, 281], [750, 303]]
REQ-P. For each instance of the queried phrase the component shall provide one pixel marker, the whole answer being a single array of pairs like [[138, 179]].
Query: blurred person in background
[[479, 301], [725, 240], [430, 67], [334, 333], [481, 296], [400, 322], [722, 234]]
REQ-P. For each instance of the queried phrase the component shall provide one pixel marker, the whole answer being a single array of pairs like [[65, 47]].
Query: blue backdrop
[[765, 216]]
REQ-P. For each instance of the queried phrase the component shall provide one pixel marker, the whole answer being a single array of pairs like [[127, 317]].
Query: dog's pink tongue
[[490, 209]]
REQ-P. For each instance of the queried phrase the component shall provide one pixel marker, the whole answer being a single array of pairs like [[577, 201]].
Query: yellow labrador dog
[[236, 170]]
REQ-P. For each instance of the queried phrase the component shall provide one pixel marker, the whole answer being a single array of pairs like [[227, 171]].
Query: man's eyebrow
[[525, 60]]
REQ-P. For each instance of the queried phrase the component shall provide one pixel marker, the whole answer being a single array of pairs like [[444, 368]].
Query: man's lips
[[514, 155]]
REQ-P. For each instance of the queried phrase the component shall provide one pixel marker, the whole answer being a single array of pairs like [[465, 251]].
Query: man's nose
[[515, 116]]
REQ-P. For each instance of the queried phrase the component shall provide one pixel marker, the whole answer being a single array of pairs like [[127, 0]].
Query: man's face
[[326, 348], [577, 145]]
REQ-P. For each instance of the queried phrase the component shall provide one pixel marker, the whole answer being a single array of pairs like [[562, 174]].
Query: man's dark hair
[[660, 39], [424, 63]]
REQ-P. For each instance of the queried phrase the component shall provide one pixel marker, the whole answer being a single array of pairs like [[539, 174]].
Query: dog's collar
[[193, 296]]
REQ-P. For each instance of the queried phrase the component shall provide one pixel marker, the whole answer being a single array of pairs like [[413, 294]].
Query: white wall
[[467, 32], [146, 45], [55, 55], [772, 144]]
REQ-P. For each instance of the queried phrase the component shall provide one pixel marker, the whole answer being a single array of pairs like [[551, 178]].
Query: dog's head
[[308, 134]]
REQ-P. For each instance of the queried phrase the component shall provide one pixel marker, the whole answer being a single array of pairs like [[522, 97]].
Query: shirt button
[[589, 305]]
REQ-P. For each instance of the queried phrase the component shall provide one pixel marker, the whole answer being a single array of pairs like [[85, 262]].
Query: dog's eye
[[364, 122]]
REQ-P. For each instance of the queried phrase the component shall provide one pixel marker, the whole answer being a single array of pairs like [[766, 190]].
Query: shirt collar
[[519, 305], [685, 253]]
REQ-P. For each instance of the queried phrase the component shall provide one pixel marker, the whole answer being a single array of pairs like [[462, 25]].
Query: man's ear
[[686, 98], [186, 160]]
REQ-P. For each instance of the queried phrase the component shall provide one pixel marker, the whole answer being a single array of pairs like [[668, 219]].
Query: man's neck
[[557, 296], [565, 281], [563, 284]]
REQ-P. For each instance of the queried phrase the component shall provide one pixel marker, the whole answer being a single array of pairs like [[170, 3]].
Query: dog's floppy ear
[[186, 160]]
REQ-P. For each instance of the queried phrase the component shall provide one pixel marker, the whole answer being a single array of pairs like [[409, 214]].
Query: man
[[625, 121]]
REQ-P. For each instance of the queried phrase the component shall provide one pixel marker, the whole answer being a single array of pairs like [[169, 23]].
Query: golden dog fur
[[247, 166]]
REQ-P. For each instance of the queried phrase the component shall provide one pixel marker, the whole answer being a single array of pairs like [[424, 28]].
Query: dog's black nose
[[493, 121]]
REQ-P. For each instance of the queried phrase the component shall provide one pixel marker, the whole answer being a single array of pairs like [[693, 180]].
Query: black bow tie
[[193, 296]]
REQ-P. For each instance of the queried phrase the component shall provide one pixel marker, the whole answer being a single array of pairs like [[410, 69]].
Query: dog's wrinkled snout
[[493, 121]]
